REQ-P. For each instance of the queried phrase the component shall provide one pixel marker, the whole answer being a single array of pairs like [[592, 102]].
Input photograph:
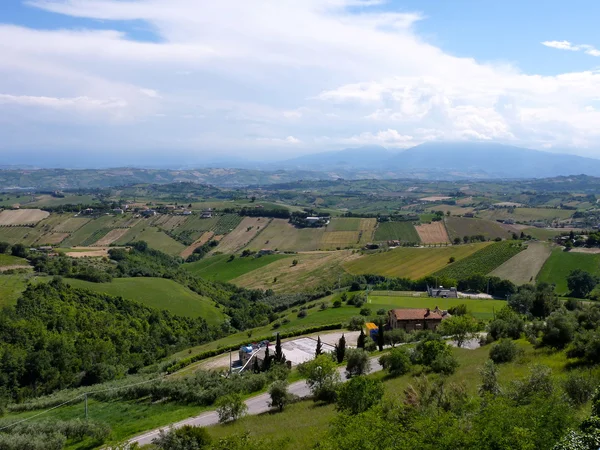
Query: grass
[[11, 287], [396, 231], [411, 262], [281, 235], [344, 224], [22, 235], [158, 293], [220, 268], [526, 214], [91, 228], [48, 200], [560, 264], [9, 260], [462, 226], [483, 261], [543, 234], [524, 267], [157, 240]]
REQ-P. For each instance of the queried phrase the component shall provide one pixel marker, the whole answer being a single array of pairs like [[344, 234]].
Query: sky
[[272, 79]]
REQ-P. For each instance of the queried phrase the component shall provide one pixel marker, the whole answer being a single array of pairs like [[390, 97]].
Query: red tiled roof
[[415, 314]]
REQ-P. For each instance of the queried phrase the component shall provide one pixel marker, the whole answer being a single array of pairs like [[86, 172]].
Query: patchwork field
[[111, 236], [200, 242], [543, 234], [526, 214], [560, 264], [247, 229], [281, 235], [455, 210], [458, 227], [158, 293], [344, 224], [220, 268], [339, 239], [397, 231], [524, 267], [411, 262], [432, 233], [23, 235], [313, 269], [483, 261], [71, 224], [22, 216]]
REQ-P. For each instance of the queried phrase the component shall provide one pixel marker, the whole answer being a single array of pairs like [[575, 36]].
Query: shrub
[[381, 312], [302, 314], [359, 394], [230, 407], [186, 437], [337, 303], [505, 350], [396, 362], [356, 323], [578, 387], [279, 394], [357, 362], [365, 312], [445, 364]]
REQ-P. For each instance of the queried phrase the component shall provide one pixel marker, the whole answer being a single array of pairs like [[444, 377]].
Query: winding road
[[256, 405]]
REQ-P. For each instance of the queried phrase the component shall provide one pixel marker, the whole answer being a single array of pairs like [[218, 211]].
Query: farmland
[[458, 227], [9, 260], [396, 231], [22, 217], [158, 293], [156, 239], [411, 262], [524, 266], [221, 268], [526, 214], [560, 264], [344, 224], [281, 235], [483, 261], [432, 233], [247, 230]]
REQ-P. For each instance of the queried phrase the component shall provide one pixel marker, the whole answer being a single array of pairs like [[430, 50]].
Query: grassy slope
[[543, 234], [411, 262], [305, 422], [11, 287], [560, 264], [279, 234], [9, 260], [461, 226], [400, 231], [158, 293], [526, 214], [221, 269], [344, 224], [524, 267]]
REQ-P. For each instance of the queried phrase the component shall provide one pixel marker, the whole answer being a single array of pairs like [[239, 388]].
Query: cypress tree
[[255, 366], [340, 349], [360, 343], [319, 348], [267, 361], [380, 337], [279, 356]]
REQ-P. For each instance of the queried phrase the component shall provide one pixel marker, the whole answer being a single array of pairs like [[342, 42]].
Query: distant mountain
[[450, 161]]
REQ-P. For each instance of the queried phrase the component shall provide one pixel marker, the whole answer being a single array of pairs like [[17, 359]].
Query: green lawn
[[396, 231], [9, 260], [411, 262], [158, 293], [560, 264], [221, 269]]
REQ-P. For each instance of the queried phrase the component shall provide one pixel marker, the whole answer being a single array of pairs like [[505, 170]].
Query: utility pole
[[230, 365], [86, 405]]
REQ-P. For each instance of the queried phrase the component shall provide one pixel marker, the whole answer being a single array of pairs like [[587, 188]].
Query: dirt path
[[585, 250]]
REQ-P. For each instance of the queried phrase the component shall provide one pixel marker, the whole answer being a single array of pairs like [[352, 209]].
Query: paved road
[[256, 405]]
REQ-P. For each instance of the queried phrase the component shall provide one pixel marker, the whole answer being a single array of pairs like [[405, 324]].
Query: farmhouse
[[187, 212], [414, 319], [118, 211], [442, 293], [148, 213], [206, 214]]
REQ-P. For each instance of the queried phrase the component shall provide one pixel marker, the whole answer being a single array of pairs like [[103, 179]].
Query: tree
[[4, 246], [230, 407], [255, 365], [457, 241], [295, 262], [380, 335], [18, 250], [395, 336], [505, 350], [340, 349], [545, 300], [360, 342], [357, 362], [359, 394], [319, 348], [267, 361], [185, 438], [279, 356], [396, 362], [279, 394], [581, 283], [522, 301], [489, 379], [321, 376], [559, 330], [461, 328], [451, 260]]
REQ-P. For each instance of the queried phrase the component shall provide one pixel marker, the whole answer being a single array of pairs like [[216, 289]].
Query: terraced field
[[220, 268], [158, 293], [483, 261], [560, 264], [411, 262], [524, 267], [397, 231], [458, 227]]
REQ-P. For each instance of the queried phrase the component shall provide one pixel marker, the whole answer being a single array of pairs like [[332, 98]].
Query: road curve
[[256, 405]]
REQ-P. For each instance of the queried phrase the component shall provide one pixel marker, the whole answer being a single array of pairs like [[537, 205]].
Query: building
[[148, 213], [187, 212], [206, 214], [372, 330], [442, 293], [414, 319], [118, 211]]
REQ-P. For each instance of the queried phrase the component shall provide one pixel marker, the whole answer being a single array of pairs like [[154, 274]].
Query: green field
[[560, 264], [11, 287], [483, 261], [155, 238], [221, 269], [462, 226], [158, 293], [396, 231], [21, 235], [411, 262], [89, 229], [9, 260], [526, 214], [344, 224], [543, 234], [281, 235], [48, 200]]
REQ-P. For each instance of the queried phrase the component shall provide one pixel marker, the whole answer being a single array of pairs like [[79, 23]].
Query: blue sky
[[264, 79]]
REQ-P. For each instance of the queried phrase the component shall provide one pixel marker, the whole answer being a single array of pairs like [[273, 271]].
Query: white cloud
[[338, 72], [566, 45]]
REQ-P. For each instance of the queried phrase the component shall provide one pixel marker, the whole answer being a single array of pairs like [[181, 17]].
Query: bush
[[337, 303], [381, 312], [365, 312], [578, 387], [505, 350], [359, 394], [356, 323], [279, 394], [302, 314], [445, 364], [357, 362], [230, 407], [186, 437], [396, 362]]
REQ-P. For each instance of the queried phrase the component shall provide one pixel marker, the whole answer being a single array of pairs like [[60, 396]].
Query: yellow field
[[111, 236], [410, 262], [201, 241], [333, 239], [432, 233], [22, 216]]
